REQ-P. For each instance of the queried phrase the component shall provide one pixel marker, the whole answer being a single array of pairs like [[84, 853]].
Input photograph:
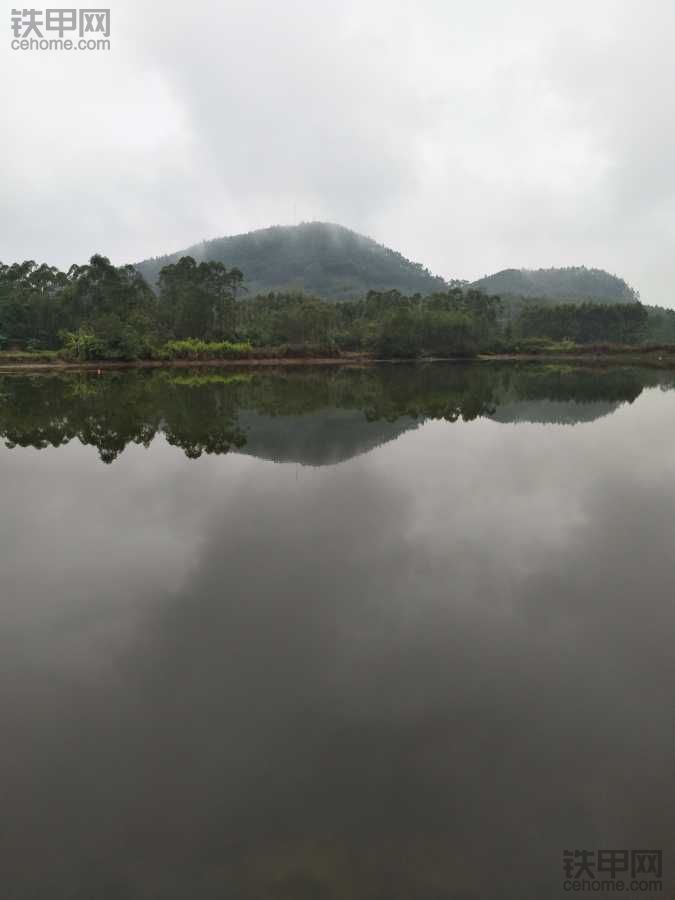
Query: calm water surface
[[388, 634]]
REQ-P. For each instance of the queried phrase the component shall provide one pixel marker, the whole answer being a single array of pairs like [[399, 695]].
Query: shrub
[[191, 348], [81, 345]]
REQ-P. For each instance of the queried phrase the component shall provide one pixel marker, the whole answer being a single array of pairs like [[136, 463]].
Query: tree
[[198, 299]]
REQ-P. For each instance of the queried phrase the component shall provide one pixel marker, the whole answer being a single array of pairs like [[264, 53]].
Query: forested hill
[[574, 284], [317, 257]]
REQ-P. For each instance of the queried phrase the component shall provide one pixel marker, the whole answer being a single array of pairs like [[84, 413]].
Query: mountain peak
[[573, 284], [320, 258]]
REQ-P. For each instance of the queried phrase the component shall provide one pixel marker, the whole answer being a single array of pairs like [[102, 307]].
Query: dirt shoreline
[[64, 366], [663, 360]]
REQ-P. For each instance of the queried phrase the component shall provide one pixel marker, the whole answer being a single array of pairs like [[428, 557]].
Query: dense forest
[[317, 258], [201, 310], [584, 323], [575, 284], [100, 311]]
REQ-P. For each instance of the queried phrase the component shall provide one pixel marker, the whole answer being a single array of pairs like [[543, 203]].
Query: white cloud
[[471, 136]]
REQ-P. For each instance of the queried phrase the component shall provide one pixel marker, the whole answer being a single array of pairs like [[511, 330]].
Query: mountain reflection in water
[[313, 416], [420, 667]]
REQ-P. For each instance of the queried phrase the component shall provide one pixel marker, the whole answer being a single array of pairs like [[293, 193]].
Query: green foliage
[[198, 299], [449, 334], [192, 348], [584, 323], [27, 307], [449, 324], [409, 333], [190, 378], [9, 357], [293, 319], [397, 337], [113, 340], [660, 325], [202, 312], [81, 345], [112, 304]]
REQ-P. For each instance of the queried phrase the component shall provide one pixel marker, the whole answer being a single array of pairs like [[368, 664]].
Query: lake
[[387, 633]]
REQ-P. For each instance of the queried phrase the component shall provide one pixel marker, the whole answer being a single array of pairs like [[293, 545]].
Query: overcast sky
[[471, 136]]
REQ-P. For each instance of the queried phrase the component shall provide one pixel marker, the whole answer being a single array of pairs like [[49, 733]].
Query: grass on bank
[[10, 356], [202, 351], [547, 347]]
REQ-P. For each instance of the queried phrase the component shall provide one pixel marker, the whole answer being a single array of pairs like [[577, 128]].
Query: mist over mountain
[[335, 263], [574, 284], [315, 257]]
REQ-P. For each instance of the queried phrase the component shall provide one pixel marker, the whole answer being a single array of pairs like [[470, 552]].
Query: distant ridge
[[336, 263], [574, 284], [316, 257]]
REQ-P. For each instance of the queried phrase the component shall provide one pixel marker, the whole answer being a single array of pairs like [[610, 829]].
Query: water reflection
[[418, 675], [313, 417]]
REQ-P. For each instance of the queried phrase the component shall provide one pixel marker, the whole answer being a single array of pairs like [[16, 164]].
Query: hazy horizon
[[469, 137]]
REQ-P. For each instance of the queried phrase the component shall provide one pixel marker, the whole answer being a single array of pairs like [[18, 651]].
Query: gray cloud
[[471, 136]]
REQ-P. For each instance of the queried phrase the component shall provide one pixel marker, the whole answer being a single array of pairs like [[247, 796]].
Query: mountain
[[338, 264], [574, 284], [322, 438], [316, 257]]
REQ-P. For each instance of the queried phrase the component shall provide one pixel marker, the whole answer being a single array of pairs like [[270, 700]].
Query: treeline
[[94, 309], [101, 311], [584, 323], [387, 323], [201, 311]]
